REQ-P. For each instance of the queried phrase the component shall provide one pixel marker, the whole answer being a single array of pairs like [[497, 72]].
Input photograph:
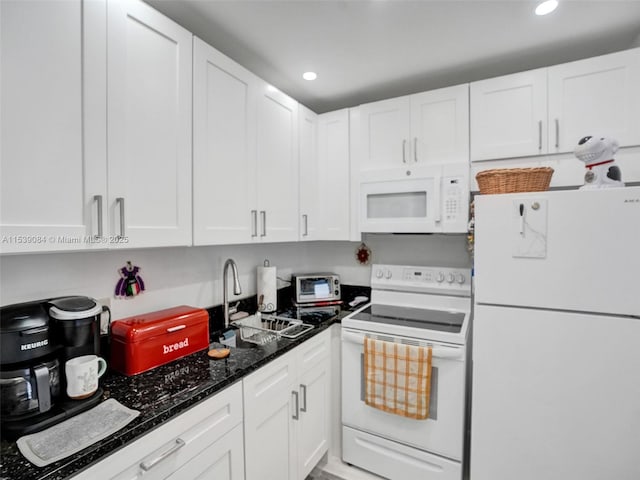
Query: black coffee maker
[[36, 339]]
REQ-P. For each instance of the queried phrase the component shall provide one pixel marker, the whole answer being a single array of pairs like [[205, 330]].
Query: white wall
[[193, 275]]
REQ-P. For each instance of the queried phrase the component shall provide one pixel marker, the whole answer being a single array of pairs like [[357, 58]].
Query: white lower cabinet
[[286, 406], [204, 442]]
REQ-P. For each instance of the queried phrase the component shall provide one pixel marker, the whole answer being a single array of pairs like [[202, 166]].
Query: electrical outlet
[[104, 317]]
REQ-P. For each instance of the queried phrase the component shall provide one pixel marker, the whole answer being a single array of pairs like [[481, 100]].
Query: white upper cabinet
[[385, 133], [427, 128], [596, 96], [509, 116], [149, 126], [277, 166], [224, 129], [548, 110], [440, 126], [53, 182], [324, 175], [311, 191], [334, 170]]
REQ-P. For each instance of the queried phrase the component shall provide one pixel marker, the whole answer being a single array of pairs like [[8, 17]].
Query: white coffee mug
[[82, 375]]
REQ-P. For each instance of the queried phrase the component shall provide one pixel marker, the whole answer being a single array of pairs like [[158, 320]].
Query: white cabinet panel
[[385, 133], [52, 76], [269, 429], [312, 193], [334, 164], [149, 126], [224, 175], [277, 166], [313, 440], [596, 96], [509, 115], [324, 175], [286, 406], [440, 126]]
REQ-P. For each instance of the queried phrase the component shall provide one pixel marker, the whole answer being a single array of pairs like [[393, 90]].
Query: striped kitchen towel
[[397, 378]]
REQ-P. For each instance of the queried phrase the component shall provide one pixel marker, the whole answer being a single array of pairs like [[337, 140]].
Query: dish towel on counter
[[397, 378], [76, 433]]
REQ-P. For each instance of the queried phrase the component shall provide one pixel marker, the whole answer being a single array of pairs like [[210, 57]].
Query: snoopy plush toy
[[597, 155]]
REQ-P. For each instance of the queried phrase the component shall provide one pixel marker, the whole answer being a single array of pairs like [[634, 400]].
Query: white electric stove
[[418, 306]]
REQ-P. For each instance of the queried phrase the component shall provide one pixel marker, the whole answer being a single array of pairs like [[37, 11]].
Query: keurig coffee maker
[[36, 339]]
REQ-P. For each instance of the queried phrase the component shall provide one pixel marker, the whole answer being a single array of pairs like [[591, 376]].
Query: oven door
[[442, 432]]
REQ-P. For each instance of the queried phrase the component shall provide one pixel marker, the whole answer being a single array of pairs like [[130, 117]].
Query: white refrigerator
[[556, 336]]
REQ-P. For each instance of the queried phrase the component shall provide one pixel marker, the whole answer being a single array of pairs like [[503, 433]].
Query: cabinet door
[[312, 193], [149, 126], [277, 159], [51, 169], [597, 96], [313, 429], [223, 460], [224, 110], [385, 134], [509, 116], [334, 171], [270, 403], [440, 126]]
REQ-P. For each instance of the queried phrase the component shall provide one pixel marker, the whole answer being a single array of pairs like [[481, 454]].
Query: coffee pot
[[37, 339]]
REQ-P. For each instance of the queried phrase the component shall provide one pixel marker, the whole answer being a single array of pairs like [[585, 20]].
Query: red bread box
[[146, 341]]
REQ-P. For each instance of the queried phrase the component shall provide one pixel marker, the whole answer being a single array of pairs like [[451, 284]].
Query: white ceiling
[[369, 50]]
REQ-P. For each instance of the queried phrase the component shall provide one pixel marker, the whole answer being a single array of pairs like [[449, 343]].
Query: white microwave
[[420, 199]]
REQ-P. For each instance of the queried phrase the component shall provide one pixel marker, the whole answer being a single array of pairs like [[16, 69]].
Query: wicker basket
[[512, 180]]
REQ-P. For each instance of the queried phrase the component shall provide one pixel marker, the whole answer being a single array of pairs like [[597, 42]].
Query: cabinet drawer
[[167, 448]]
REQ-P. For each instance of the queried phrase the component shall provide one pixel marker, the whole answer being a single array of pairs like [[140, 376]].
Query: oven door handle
[[449, 353]]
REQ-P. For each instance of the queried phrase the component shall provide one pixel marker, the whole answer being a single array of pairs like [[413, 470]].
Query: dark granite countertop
[[159, 395]]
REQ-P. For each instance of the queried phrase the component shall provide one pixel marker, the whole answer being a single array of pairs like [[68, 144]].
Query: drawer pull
[[146, 466]]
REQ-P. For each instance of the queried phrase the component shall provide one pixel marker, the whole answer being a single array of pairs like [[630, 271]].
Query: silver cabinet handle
[[146, 466], [254, 223], [98, 200], [305, 217], [415, 149], [263, 219], [557, 133], [120, 201], [296, 415], [404, 150], [303, 390], [540, 135]]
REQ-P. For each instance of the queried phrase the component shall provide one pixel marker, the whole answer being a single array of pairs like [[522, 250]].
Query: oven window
[[438, 320], [397, 205]]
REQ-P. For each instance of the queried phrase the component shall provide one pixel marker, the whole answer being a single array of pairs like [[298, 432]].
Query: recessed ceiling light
[[309, 75], [546, 7]]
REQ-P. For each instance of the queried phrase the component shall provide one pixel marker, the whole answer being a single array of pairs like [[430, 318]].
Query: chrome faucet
[[236, 287]]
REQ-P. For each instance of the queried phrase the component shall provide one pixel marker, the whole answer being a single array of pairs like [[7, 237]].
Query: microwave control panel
[[451, 198]]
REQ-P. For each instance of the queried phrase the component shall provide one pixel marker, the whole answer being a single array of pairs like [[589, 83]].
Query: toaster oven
[[314, 288]]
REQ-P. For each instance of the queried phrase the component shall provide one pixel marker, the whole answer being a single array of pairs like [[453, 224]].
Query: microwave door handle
[[437, 200]]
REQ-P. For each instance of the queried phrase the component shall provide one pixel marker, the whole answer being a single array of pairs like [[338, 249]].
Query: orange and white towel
[[397, 378]]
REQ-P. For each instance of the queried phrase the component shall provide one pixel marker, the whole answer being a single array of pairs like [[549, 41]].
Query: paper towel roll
[[267, 289]]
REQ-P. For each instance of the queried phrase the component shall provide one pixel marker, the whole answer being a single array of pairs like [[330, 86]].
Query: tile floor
[[319, 474]]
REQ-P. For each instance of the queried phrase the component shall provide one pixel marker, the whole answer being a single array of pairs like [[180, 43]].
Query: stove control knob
[[460, 279], [388, 274], [378, 273], [440, 277], [451, 278]]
